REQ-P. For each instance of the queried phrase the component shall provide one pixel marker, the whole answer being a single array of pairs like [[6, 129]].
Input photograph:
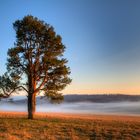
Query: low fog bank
[[84, 104]]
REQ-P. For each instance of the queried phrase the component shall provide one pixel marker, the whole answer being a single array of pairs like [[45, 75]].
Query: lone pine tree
[[36, 61]]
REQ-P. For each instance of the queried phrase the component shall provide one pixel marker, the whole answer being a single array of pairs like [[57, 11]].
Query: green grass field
[[54, 127]]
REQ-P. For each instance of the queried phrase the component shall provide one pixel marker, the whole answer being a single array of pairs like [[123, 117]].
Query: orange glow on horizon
[[100, 92], [88, 89]]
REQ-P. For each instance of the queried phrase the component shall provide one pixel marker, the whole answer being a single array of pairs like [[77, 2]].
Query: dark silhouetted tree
[[36, 61]]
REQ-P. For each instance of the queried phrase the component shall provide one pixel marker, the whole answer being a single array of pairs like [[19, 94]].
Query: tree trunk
[[31, 97], [34, 103], [31, 105]]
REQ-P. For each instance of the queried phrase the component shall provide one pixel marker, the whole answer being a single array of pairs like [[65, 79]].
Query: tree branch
[[43, 82], [6, 95]]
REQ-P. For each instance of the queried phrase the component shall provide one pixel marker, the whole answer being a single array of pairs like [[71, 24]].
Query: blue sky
[[102, 40]]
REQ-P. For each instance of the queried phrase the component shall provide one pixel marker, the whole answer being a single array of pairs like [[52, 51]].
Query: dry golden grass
[[56, 126]]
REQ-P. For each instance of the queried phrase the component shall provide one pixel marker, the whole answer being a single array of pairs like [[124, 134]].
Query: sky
[[102, 40]]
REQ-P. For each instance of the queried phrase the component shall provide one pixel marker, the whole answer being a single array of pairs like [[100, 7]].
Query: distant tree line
[[101, 98]]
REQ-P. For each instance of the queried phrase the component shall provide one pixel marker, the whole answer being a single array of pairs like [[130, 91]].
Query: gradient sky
[[102, 39]]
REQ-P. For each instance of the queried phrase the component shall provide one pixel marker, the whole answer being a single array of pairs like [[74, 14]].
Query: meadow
[[57, 126]]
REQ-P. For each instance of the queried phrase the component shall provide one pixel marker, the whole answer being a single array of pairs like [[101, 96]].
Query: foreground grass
[[18, 127]]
